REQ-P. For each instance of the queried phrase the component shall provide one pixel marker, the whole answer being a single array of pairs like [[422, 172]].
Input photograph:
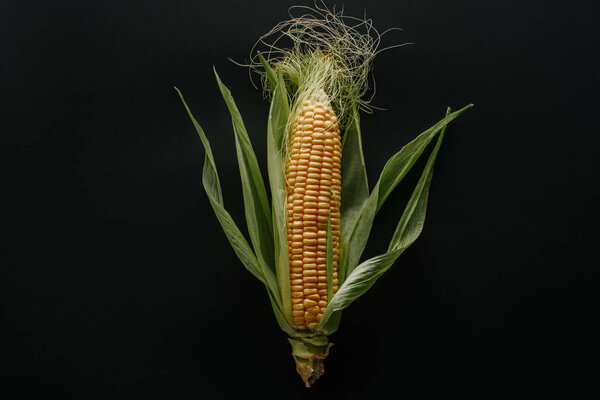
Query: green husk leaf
[[408, 230], [256, 203], [331, 322], [276, 130], [212, 186], [411, 224], [393, 172], [329, 259], [271, 76], [355, 188], [282, 321], [400, 164]]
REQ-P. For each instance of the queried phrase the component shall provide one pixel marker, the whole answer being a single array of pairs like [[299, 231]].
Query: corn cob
[[313, 175]]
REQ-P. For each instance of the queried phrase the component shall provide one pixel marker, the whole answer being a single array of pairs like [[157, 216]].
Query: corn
[[313, 175]]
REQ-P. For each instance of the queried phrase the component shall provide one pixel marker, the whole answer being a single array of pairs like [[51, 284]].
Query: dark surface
[[117, 282]]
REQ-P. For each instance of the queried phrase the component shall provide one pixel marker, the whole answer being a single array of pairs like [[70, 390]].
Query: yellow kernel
[[309, 303], [314, 310]]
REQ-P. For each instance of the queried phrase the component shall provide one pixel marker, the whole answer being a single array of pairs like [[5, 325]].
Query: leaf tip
[[179, 93]]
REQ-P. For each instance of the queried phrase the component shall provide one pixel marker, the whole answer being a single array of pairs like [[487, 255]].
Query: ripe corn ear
[[313, 184], [316, 85]]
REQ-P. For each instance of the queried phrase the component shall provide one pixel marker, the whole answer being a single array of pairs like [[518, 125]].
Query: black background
[[117, 281]]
